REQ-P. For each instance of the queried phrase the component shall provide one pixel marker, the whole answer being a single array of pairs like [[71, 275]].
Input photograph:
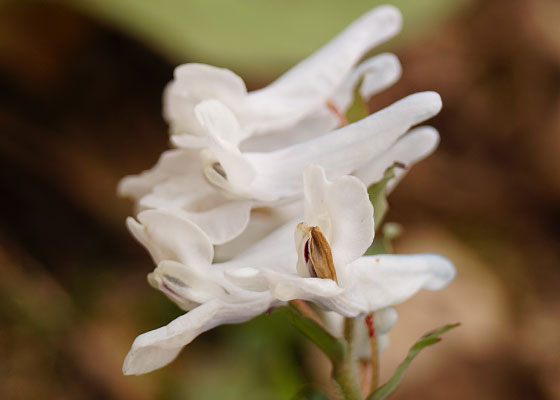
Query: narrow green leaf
[[334, 348], [427, 340]]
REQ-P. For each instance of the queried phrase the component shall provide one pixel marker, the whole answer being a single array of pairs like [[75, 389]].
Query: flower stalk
[[345, 374]]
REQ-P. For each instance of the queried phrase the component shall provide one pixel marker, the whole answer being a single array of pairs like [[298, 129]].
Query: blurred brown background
[[80, 107]]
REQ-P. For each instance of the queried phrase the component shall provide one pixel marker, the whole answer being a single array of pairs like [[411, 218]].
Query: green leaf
[[428, 339], [378, 197], [334, 348]]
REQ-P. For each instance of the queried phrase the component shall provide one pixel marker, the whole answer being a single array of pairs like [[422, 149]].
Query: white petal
[[221, 223], [223, 134], [176, 184], [416, 145], [289, 286], [171, 163], [341, 151], [219, 121], [169, 237], [225, 222], [275, 251], [384, 320], [343, 212], [194, 83], [315, 124], [248, 278], [262, 222], [382, 343], [380, 74], [157, 348], [185, 191], [385, 280], [188, 285], [175, 179], [376, 73], [310, 83]]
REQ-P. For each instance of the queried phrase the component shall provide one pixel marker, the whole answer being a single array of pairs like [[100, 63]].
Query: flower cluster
[[264, 200]]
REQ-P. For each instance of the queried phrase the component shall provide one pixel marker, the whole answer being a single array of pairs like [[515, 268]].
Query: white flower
[[358, 284], [411, 148], [176, 184], [184, 273], [240, 151], [301, 93], [211, 180], [267, 273]]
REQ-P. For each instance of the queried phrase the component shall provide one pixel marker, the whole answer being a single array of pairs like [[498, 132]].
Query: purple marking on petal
[[306, 251]]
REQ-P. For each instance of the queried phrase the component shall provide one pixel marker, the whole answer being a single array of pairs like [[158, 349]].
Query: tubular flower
[[272, 271], [183, 255], [239, 150], [232, 189], [301, 94], [210, 179], [330, 269]]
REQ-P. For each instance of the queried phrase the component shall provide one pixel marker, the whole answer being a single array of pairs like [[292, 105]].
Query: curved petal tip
[[445, 272], [389, 15]]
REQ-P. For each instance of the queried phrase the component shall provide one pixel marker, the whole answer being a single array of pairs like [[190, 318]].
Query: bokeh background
[[80, 107]]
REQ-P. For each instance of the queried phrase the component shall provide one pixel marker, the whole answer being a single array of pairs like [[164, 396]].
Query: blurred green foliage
[[253, 37], [255, 360]]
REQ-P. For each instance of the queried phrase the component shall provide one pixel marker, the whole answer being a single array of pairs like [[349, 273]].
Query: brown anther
[[318, 255]]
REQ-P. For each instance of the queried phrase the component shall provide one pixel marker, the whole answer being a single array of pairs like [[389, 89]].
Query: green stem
[[346, 373], [374, 349]]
